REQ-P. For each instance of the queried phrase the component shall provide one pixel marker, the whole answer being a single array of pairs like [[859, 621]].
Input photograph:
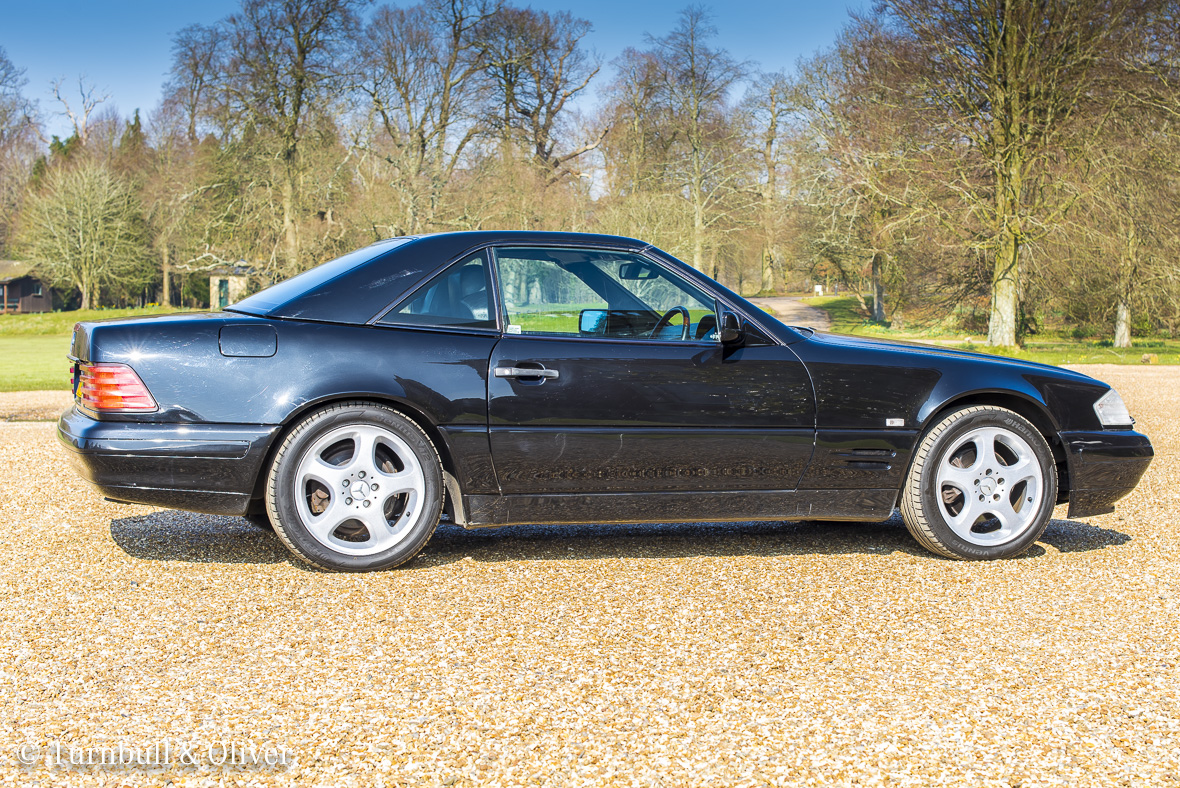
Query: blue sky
[[123, 46]]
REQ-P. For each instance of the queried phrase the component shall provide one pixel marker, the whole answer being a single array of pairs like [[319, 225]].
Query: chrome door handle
[[522, 372]]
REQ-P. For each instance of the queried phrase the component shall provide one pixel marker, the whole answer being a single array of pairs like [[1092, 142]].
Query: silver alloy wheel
[[989, 486], [359, 489]]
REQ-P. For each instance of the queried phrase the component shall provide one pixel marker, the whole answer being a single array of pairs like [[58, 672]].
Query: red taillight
[[112, 387]]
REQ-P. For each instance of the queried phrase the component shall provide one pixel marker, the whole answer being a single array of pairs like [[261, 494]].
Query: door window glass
[[459, 297], [595, 293]]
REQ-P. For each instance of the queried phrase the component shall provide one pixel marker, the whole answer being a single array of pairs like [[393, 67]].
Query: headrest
[[471, 279]]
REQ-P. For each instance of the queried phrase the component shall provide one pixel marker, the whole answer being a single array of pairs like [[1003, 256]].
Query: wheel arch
[[1034, 411], [414, 414]]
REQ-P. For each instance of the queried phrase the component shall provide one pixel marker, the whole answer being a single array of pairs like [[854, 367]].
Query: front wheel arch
[[1036, 413], [935, 471]]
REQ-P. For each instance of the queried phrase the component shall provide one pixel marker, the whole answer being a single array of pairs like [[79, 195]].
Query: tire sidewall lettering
[[938, 439]]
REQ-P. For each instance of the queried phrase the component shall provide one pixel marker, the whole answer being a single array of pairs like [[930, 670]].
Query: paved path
[[792, 311]]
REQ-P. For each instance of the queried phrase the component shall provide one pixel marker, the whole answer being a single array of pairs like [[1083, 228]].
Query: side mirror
[[593, 322], [731, 328]]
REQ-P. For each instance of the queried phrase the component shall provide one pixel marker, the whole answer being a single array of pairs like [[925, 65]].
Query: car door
[[610, 378]]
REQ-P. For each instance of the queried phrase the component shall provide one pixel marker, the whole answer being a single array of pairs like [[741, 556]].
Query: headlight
[[1112, 411]]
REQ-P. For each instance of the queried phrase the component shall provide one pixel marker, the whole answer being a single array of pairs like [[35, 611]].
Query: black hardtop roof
[[462, 240], [356, 287]]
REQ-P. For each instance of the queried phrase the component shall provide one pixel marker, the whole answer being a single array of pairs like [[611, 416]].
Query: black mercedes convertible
[[497, 378]]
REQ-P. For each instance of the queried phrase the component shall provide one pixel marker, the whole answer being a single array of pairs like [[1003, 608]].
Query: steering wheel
[[666, 320]]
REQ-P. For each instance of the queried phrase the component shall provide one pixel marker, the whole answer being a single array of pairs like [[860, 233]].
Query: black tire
[[333, 549], [929, 507]]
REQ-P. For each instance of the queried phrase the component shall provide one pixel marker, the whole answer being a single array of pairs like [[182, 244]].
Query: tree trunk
[[767, 270], [1001, 327], [290, 229], [698, 238], [1122, 323], [1126, 280], [878, 287], [166, 289], [1009, 197]]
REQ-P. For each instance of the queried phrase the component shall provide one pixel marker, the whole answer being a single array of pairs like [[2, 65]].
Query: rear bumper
[[1103, 467], [211, 468]]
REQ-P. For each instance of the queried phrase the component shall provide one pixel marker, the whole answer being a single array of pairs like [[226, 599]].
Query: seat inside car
[[474, 291]]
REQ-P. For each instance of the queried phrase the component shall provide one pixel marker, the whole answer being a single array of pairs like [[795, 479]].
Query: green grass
[[34, 363], [62, 323], [844, 312], [33, 347], [1076, 351], [553, 322], [566, 321]]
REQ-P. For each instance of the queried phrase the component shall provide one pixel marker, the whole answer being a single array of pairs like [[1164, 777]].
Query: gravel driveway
[[748, 654]]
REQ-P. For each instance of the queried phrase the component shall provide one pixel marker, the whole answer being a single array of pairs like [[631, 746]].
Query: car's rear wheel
[[982, 485], [355, 487]]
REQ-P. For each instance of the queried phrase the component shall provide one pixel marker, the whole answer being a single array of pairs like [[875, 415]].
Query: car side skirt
[[480, 511]]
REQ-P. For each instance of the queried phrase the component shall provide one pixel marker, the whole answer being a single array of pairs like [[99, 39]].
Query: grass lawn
[[1047, 349], [34, 363], [62, 323], [33, 347]]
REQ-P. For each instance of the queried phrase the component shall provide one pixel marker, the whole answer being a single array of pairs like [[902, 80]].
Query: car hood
[[934, 353]]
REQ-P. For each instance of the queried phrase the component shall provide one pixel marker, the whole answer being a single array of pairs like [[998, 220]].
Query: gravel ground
[[33, 405], [747, 654]]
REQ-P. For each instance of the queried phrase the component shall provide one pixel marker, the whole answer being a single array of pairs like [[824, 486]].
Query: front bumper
[[210, 468], [1103, 467]]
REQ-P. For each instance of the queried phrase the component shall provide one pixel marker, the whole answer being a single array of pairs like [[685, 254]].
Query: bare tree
[[635, 149], [769, 104], [89, 99], [1012, 79], [865, 134], [18, 142], [16, 112], [84, 229], [695, 83], [537, 66], [196, 66], [1120, 243], [281, 73], [676, 96], [420, 71]]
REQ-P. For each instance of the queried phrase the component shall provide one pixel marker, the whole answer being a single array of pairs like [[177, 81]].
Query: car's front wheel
[[982, 485], [355, 487]]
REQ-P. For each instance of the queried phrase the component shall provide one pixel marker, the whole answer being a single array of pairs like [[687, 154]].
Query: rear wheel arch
[[1035, 412], [323, 482], [297, 416]]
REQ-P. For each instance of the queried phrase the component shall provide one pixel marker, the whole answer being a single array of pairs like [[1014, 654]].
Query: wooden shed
[[21, 290]]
